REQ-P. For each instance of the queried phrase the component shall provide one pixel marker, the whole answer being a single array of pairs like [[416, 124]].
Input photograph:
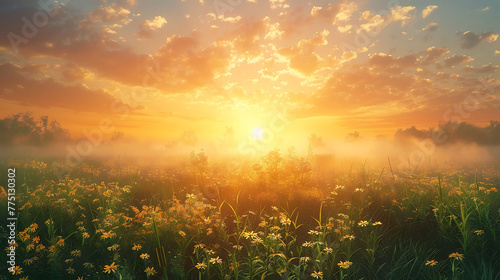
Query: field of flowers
[[282, 217]]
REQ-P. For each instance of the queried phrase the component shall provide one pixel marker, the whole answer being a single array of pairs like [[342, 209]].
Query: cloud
[[273, 31], [302, 57], [428, 10], [148, 27], [48, 93], [183, 65], [433, 52], [402, 14], [373, 23], [109, 14], [431, 27], [245, 38], [301, 16], [485, 69], [383, 60], [332, 12], [64, 39], [456, 59], [73, 73], [278, 4], [485, 9], [470, 39], [346, 56]]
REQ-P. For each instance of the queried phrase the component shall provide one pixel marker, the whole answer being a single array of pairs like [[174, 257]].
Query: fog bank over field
[[450, 144]]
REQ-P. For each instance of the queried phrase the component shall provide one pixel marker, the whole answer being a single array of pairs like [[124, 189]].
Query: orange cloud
[[302, 57], [148, 27], [182, 65]]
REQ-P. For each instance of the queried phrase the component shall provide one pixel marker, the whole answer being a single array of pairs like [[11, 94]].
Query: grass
[[278, 218]]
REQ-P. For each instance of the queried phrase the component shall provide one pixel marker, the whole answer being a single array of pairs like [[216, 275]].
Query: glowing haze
[[231, 70]]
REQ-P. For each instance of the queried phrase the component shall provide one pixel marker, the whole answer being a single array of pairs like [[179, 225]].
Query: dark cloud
[[47, 93], [470, 39], [432, 53], [456, 59]]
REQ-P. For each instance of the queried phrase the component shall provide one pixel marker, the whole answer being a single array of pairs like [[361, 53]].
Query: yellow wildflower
[[110, 268]]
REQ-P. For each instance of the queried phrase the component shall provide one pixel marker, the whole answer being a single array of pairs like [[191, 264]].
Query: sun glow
[[257, 133]]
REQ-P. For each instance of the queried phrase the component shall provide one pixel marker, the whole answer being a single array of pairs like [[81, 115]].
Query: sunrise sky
[[205, 70]]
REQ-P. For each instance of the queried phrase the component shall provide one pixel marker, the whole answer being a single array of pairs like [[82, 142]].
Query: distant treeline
[[23, 129], [453, 132]]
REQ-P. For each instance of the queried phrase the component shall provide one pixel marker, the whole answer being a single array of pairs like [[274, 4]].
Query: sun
[[257, 133]]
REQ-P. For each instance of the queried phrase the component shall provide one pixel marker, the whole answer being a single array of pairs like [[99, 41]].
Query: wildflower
[[307, 244], [209, 252], [40, 247], [345, 264], [76, 253], [113, 247], [248, 235], [215, 260], [350, 237], [257, 240], [359, 190], [36, 239], [339, 187], [285, 221], [274, 208], [28, 261], [16, 270], [328, 250], [275, 236], [238, 247], [201, 266], [79, 278], [275, 228], [314, 232], [88, 265], [144, 256], [378, 223], [138, 247], [457, 256], [363, 223], [317, 275], [183, 234], [86, 235], [150, 271], [431, 263], [60, 242], [479, 232], [68, 261], [304, 259], [70, 270], [344, 216], [110, 268], [32, 228]]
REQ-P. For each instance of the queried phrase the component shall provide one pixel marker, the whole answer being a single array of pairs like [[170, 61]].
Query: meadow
[[282, 216]]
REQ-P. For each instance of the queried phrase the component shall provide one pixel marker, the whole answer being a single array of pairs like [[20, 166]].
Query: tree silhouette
[[22, 128]]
